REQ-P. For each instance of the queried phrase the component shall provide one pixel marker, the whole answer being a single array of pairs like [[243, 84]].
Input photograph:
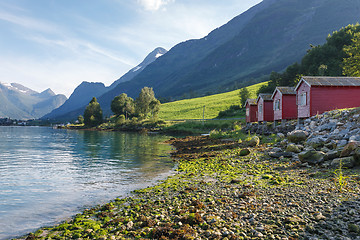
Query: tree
[[93, 115], [244, 95], [142, 103], [155, 108], [80, 119], [123, 105], [351, 64]]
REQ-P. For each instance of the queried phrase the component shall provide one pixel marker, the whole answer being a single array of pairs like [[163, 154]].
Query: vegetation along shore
[[231, 189]]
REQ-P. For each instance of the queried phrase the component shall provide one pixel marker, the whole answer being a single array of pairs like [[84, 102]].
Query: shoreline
[[219, 194]]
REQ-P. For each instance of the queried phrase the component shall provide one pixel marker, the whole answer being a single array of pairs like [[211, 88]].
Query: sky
[[58, 44]]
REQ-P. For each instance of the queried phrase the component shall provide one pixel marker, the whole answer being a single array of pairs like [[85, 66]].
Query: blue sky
[[58, 44]]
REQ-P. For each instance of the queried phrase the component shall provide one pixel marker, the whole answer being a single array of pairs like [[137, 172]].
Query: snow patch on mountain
[[136, 68]]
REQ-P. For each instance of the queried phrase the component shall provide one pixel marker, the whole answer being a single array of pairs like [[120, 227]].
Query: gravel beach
[[218, 193]]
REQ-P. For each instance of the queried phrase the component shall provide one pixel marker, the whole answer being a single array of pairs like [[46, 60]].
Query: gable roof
[[330, 81], [284, 91], [264, 96], [251, 101]]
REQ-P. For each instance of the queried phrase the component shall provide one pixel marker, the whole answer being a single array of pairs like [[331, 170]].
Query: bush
[[120, 120], [232, 111]]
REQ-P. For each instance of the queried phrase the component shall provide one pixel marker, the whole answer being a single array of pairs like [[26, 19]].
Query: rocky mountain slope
[[82, 94], [20, 102]]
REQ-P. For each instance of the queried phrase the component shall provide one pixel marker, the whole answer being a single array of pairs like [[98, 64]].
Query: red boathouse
[[316, 95], [251, 110], [265, 107], [285, 107]]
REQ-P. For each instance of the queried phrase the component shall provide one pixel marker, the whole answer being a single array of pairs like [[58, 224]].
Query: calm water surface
[[48, 175]]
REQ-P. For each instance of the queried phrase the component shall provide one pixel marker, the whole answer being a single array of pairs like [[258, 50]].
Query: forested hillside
[[338, 56]]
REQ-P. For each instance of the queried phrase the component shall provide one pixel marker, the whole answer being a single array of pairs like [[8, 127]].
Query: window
[[260, 108], [247, 112], [277, 104], [303, 99]]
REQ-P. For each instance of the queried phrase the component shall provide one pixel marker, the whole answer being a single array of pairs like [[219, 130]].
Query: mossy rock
[[244, 152], [292, 148], [254, 141]]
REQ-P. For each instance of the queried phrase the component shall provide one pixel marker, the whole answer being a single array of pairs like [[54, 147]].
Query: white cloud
[[27, 22], [154, 5]]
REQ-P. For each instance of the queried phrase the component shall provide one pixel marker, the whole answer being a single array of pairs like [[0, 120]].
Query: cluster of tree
[[146, 105], [338, 56], [142, 107]]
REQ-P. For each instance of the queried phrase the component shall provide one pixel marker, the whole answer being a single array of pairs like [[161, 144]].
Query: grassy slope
[[193, 108]]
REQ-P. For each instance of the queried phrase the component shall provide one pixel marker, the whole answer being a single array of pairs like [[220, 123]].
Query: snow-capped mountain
[[20, 102], [151, 57]]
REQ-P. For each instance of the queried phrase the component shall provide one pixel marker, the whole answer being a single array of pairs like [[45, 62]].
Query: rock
[[297, 136], [349, 149], [129, 225], [346, 162], [292, 148], [280, 135], [342, 143], [254, 141], [276, 149], [312, 124], [357, 155], [354, 228], [244, 152], [331, 155], [327, 127], [319, 217], [316, 142], [330, 145], [280, 154], [312, 156]]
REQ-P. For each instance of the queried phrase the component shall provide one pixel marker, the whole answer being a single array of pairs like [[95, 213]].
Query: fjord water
[[48, 175]]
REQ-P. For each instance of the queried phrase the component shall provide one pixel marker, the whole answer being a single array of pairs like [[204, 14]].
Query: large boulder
[[292, 148], [297, 136], [350, 149], [346, 162], [332, 155], [311, 156]]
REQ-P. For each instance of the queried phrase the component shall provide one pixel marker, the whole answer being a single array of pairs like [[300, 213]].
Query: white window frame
[[277, 104], [303, 99]]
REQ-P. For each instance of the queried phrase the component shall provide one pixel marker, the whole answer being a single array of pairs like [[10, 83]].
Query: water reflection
[[47, 175]]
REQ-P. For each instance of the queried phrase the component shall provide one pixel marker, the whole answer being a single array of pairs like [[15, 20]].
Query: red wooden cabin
[[265, 107], [316, 95], [251, 110], [284, 99]]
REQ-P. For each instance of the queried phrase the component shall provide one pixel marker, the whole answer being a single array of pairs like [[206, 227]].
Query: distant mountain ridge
[[83, 93], [20, 102]]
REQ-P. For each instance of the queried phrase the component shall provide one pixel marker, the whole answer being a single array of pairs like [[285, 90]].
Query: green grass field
[[193, 108]]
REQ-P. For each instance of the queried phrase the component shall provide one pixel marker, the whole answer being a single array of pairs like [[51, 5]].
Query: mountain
[[268, 37], [83, 94], [20, 102], [151, 57]]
